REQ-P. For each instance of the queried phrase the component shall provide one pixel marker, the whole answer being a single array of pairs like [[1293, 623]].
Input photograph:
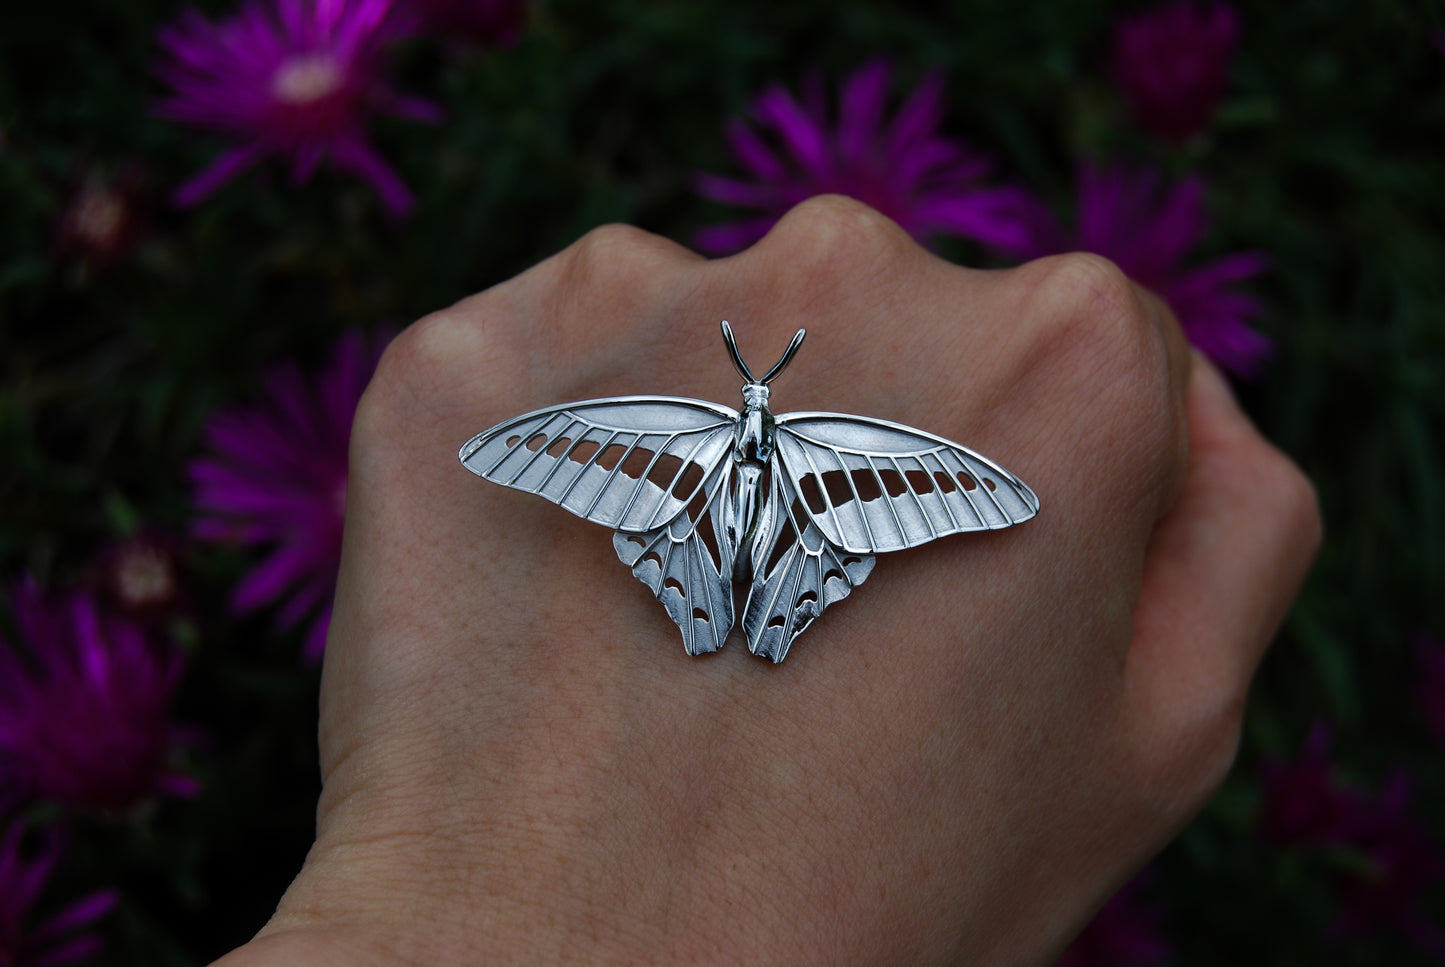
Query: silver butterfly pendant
[[702, 496]]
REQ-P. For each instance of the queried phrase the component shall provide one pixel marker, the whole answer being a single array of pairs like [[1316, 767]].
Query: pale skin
[[957, 765]]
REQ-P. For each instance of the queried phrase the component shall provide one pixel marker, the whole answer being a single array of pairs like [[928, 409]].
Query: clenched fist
[[957, 765]]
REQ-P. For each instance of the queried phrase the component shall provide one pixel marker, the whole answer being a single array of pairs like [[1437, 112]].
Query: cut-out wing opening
[[631, 463], [872, 486]]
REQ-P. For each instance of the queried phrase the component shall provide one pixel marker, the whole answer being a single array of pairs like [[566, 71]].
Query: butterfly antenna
[[737, 358], [742, 367], [787, 356]]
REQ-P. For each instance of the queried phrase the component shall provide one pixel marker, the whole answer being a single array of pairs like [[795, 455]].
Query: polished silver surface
[[703, 497]]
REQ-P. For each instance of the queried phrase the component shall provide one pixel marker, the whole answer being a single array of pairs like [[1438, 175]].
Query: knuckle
[[1086, 296], [617, 259], [1091, 335], [834, 236], [836, 218], [441, 359], [419, 350], [432, 338], [606, 242], [374, 410]]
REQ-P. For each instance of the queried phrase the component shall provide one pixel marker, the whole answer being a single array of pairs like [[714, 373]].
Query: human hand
[[957, 764]]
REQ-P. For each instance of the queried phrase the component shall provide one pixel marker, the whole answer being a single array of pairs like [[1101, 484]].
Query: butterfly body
[[703, 497], [747, 497]]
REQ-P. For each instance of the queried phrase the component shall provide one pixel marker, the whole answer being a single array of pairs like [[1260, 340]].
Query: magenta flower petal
[[58, 939], [361, 159], [77, 916], [275, 476], [1172, 63], [1147, 229], [735, 236], [925, 183], [994, 214], [912, 128], [288, 565], [754, 153], [315, 644], [84, 710], [860, 111], [296, 78], [800, 132], [223, 169], [734, 192], [1203, 294], [417, 109], [178, 786]]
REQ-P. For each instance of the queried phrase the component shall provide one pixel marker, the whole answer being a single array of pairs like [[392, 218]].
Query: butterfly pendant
[[792, 507]]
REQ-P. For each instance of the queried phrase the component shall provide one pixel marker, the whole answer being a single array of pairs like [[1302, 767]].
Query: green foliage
[[1325, 156]]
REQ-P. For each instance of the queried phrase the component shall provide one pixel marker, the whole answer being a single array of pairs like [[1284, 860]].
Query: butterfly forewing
[[874, 486], [632, 463]]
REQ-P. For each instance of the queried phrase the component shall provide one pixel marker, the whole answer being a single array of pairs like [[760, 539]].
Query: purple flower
[[1128, 216], [926, 183], [289, 77], [1304, 805], [83, 708], [276, 475], [1125, 933], [1401, 865], [492, 23], [60, 938], [1172, 63], [1431, 684]]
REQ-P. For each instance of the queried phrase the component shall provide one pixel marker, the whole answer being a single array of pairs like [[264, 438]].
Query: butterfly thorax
[[746, 499], [754, 439]]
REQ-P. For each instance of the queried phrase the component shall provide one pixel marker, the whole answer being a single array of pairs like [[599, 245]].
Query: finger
[[1222, 567]]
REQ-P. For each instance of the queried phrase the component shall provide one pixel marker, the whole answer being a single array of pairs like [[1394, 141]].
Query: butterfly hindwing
[[631, 463], [872, 486], [797, 573], [683, 569]]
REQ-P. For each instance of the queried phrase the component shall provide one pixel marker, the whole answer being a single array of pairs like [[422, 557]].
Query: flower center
[[144, 576], [306, 79], [98, 216]]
